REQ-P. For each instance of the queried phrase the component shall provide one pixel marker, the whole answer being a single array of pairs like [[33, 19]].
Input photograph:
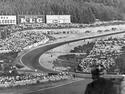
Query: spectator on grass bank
[[99, 85]]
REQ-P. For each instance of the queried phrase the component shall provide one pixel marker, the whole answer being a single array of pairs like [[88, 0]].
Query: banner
[[7, 19], [31, 19], [58, 19]]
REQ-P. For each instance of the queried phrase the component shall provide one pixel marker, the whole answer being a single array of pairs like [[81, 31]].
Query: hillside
[[81, 11]]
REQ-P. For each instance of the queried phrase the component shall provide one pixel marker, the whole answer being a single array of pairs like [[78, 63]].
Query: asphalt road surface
[[31, 59]]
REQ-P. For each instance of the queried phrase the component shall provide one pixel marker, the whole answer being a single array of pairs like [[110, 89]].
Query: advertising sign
[[58, 19], [31, 19], [7, 19]]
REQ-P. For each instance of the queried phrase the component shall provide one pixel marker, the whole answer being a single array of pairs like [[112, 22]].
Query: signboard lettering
[[26, 19], [7, 19], [55, 19]]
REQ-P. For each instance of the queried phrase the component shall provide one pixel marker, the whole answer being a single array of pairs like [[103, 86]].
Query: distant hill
[[81, 11]]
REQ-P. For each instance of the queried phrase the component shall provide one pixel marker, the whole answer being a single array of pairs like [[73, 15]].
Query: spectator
[[30, 78], [99, 85], [20, 40], [103, 53]]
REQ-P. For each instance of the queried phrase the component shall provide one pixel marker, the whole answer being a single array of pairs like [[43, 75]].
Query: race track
[[31, 58]]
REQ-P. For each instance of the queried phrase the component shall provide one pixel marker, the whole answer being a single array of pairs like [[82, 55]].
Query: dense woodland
[[81, 11]]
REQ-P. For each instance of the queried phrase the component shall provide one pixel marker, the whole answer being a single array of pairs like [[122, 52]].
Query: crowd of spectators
[[17, 40], [103, 54], [31, 78], [20, 40], [66, 25], [20, 27]]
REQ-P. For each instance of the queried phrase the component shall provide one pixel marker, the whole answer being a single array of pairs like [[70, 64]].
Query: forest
[[81, 11]]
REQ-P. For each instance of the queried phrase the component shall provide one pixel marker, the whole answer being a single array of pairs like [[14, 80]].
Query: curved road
[[31, 58]]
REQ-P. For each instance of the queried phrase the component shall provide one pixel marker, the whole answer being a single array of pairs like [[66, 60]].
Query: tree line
[[81, 11]]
